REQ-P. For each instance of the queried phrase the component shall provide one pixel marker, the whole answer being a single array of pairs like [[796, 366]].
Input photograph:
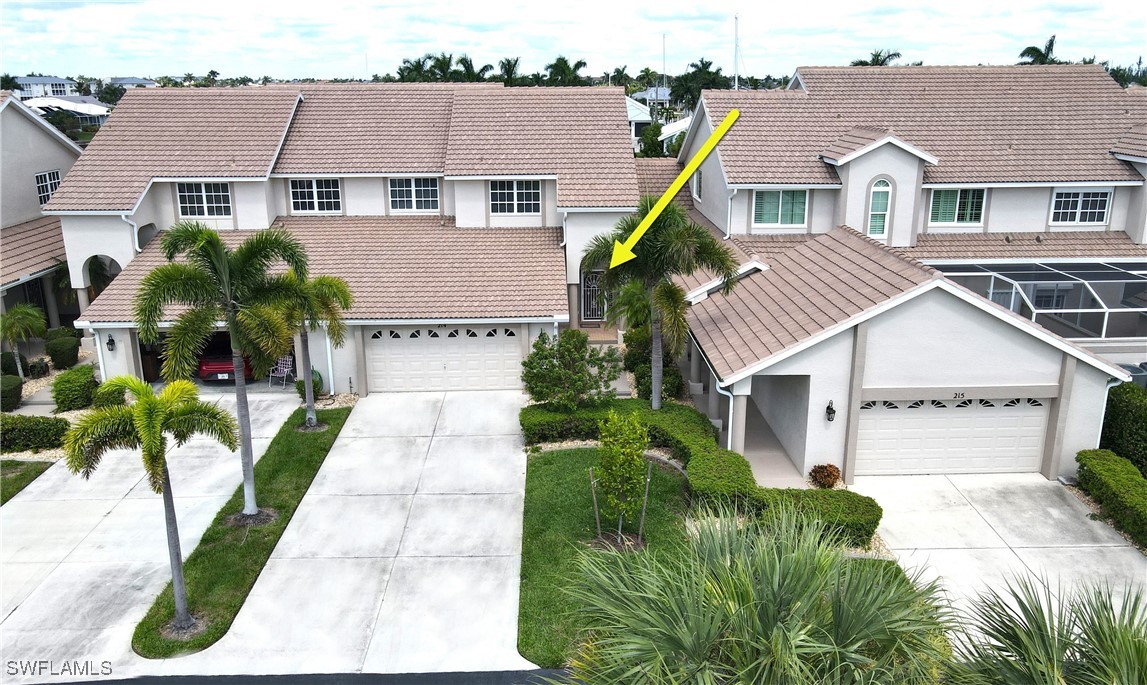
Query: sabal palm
[[321, 302], [18, 324], [415, 70], [233, 285], [878, 58], [508, 70], [147, 424], [1032, 54], [673, 246], [619, 77]]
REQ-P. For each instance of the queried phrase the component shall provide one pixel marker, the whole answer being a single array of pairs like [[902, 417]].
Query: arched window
[[878, 207]]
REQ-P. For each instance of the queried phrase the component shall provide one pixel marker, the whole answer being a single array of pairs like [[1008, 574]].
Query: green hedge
[[106, 398], [1119, 487], [1125, 424], [714, 474], [32, 432], [11, 389], [8, 364], [64, 352], [316, 385], [62, 332], [75, 388]]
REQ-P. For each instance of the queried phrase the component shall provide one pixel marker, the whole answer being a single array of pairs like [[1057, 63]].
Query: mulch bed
[[241, 520]]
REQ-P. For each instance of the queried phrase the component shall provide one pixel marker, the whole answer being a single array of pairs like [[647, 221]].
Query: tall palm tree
[[508, 71], [673, 246], [321, 302], [878, 58], [647, 77], [18, 324], [619, 77], [469, 73], [146, 425], [1032, 54], [188, 78], [217, 283], [562, 72], [441, 67], [415, 70]]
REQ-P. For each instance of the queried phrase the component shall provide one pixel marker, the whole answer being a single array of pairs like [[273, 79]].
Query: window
[[1080, 207], [414, 194], [316, 195], [1050, 296], [204, 199], [697, 178], [878, 208], [779, 207], [59, 89], [515, 197], [958, 206], [46, 184]]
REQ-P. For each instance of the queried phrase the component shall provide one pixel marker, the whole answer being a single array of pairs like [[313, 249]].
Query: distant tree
[[1032, 54], [168, 82], [687, 87], [63, 121], [208, 81], [188, 78], [675, 145], [1126, 76], [650, 146], [415, 70], [238, 81], [619, 77], [562, 72], [8, 82], [878, 58], [508, 71], [647, 77], [469, 73], [265, 80], [86, 85], [110, 94], [536, 79], [442, 67]]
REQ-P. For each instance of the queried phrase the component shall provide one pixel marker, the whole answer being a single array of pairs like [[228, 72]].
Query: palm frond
[[669, 300], [129, 384], [167, 284], [186, 341], [255, 255], [263, 336], [191, 418], [21, 322], [96, 433], [178, 392], [187, 237]]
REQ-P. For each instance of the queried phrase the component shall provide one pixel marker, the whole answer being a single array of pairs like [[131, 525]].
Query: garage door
[[444, 358], [965, 436]]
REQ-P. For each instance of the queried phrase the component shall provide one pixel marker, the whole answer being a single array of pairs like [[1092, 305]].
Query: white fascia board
[[911, 149], [42, 123], [1129, 158], [698, 113], [357, 174], [558, 318], [599, 210], [701, 292], [1039, 184], [504, 177], [785, 186], [87, 212], [1024, 260], [32, 276], [283, 138]]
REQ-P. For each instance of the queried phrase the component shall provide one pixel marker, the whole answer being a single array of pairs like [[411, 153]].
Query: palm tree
[[468, 73], [619, 77], [321, 302], [1032, 54], [878, 58], [414, 70], [441, 67], [508, 71], [17, 325], [146, 425], [647, 77], [218, 283], [188, 78], [8, 82], [562, 72], [673, 246]]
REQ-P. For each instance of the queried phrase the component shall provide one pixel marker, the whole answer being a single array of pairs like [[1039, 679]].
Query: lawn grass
[[557, 522], [15, 476], [224, 566]]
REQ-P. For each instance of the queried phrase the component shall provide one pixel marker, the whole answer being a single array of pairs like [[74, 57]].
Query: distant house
[[670, 131], [85, 108], [639, 120], [658, 95], [132, 82], [40, 86]]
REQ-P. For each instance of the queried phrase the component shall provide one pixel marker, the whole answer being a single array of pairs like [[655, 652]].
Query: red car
[[216, 364]]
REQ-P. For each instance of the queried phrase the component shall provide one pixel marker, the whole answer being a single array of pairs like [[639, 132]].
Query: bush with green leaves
[[8, 364], [1119, 488], [21, 433], [568, 372], [639, 348], [64, 352], [672, 382], [37, 368], [1125, 424], [63, 332], [109, 397], [316, 385], [75, 388], [621, 473], [11, 389]]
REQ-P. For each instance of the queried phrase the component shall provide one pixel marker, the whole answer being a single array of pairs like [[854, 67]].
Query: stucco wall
[[1136, 226], [121, 361], [1029, 210], [581, 227], [364, 196], [714, 202], [903, 170], [86, 236], [1084, 411], [26, 149], [250, 206], [470, 203], [343, 359], [783, 402]]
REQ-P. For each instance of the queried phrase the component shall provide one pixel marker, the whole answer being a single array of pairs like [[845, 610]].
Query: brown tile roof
[[702, 277], [654, 176], [766, 247], [1020, 245], [176, 132], [404, 268], [30, 247], [984, 124], [807, 290], [854, 139], [581, 135], [1133, 143]]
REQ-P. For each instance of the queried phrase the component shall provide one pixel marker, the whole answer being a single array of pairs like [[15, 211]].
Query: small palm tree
[[321, 302], [146, 425], [18, 324], [218, 283], [619, 77], [673, 246], [878, 58], [647, 77], [1033, 54]]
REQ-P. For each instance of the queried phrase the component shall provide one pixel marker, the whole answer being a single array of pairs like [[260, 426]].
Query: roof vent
[[1007, 239], [1039, 238]]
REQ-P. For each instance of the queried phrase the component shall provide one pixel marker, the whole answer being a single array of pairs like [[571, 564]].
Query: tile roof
[[404, 268], [1023, 245], [1133, 143], [984, 124], [30, 247], [176, 132], [807, 290], [656, 174], [854, 139], [765, 247]]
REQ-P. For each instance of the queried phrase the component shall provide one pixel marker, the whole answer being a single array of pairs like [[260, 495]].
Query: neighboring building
[[132, 82], [86, 109], [655, 96], [34, 157], [996, 209], [639, 120], [43, 86], [670, 131]]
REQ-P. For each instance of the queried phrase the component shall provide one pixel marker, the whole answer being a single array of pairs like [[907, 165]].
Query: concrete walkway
[[82, 561], [975, 531], [403, 557]]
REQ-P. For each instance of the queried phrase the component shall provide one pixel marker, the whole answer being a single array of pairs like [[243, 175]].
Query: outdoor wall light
[[111, 343], [829, 412]]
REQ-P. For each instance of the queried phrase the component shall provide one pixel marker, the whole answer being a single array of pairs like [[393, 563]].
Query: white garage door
[[965, 436], [444, 358]]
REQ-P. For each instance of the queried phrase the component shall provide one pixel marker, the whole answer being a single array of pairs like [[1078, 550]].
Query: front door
[[592, 297]]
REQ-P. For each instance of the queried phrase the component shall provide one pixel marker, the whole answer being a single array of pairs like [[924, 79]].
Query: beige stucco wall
[[470, 203], [101, 234], [1084, 411], [904, 170], [26, 149], [714, 202], [581, 227]]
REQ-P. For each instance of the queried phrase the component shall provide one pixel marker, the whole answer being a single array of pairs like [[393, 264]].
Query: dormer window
[[204, 199], [780, 208], [414, 194], [316, 196], [878, 204], [515, 197]]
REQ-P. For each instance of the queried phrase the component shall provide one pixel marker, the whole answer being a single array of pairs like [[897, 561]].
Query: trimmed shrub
[[8, 364], [824, 476], [75, 388], [639, 349], [104, 397], [672, 383], [11, 388], [1125, 424], [37, 368], [316, 385], [64, 352], [1119, 488], [32, 432], [62, 332], [852, 515], [568, 372], [621, 473]]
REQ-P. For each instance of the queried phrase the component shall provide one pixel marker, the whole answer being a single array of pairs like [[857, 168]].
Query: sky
[[347, 39]]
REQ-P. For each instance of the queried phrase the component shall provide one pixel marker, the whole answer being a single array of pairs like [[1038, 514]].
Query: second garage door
[[965, 436], [407, 358]]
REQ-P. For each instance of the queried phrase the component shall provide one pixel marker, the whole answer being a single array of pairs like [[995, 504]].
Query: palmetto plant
[[747, 602], [673, 246], [147, 424], [214, 284], [18, 324], [320, 302]]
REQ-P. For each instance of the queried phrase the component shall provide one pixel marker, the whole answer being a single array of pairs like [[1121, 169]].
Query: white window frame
[[872, 190], [696, 185], [1110, 192], [780, 210], [58, 89], [517, 189], [202, 193], [956, 222], [414, 191], [46, 184], [312, 191]]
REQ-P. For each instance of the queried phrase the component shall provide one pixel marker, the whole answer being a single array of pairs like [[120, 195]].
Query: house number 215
[[957, 395]]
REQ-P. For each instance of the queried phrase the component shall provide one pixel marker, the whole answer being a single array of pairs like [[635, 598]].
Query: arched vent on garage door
[[510, 333]]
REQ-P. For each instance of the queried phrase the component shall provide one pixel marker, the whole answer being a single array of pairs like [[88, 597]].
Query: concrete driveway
[[974, 531], [404, 555], [82, 561]]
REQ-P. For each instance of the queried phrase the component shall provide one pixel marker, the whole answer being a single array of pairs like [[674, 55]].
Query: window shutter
[[876, 224], [767, 207], [944, 205], [971, 206]]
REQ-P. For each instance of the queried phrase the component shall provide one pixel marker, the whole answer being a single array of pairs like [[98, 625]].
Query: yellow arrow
[[623, 252]]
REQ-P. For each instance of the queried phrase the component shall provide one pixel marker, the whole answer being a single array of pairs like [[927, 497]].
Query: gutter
[[134, 232], [729, 215], [564, 216], [330, 360], [717, 386], [100, 355]]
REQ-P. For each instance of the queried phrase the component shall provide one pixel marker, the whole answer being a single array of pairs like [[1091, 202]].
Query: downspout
[[99, 355], [729, 215], [134, 232], [330, 361], [563, 242], [717, 387]]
